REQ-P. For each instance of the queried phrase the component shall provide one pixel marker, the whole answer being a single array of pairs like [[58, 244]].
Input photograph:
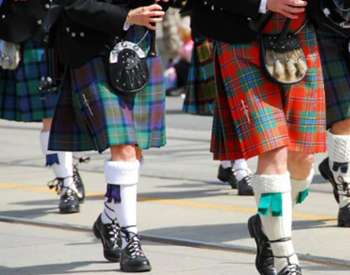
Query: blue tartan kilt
[[336, 74], [20, 99], [90, 116]]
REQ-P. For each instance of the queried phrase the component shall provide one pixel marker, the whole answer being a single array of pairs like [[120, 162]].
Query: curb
[[177, 241]]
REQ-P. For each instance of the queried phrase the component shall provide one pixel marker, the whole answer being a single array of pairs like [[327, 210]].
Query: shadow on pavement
[[61, 268]]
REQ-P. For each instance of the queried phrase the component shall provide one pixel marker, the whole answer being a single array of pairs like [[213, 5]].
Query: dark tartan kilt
[[89, 116], [258, 116], [19, 96], [201, 89], [336, 73]]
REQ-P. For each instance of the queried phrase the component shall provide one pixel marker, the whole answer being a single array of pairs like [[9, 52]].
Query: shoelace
[[134, 247], [113, 232], [56, 184], [67, 194], [292, 270], [343, 187]]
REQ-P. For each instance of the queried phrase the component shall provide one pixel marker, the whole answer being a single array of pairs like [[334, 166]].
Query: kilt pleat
[[20, 99], [201, 89], [90, 116], [336, 73], [257, 115]]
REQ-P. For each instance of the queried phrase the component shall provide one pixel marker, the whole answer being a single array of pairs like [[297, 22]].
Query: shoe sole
[[343, 224], [70, 210], [139, 269], [111, 259], [245, 193], [253, 235]]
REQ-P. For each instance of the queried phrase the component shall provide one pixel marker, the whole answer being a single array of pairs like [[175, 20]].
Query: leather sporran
[[127, 68], [10, 55], [283, 59]]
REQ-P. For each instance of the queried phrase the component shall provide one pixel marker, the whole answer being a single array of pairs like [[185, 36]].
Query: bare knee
[[273, 162], [124, 153], [300, 164], [341, 127], [46, 124]]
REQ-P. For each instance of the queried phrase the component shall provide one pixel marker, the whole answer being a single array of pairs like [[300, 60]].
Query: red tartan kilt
[[257, 115]]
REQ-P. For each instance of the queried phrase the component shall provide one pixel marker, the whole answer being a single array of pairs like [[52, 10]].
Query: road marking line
[[173, 202]]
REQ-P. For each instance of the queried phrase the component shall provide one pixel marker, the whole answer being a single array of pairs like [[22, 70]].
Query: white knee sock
[[61, 162], [300, 188], [339, 163], [226, 164], [108, 214], [240, 169], [124, 174], [273, 194]]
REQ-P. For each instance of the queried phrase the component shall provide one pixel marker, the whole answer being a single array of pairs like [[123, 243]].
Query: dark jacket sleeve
[[100, 16], [239, 7]]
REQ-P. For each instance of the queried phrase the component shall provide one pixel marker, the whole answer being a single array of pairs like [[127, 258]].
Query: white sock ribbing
[[64, 168], [240, 169], [277, 227], [299, 186], [126, 175], [226, 164]]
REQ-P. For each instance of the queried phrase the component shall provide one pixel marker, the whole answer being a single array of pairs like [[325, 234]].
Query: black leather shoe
[[109, 234], [78, 184], [69, 202], [226, 175], [244, 187], [291, 269], [344, 216], [133, 258], [264, 261], [327, 174]]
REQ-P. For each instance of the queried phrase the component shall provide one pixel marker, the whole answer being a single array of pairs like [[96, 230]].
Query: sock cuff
[[226, 164], [64, 167], [122, 172], [263, 184], [338, 147], [301, 185]]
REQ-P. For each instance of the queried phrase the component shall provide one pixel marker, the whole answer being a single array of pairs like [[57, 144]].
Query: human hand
[[288, 8], [146, 16]]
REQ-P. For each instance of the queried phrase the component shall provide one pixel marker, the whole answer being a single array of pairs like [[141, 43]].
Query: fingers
[[155, 13], [153, 7], [296, 3], [150, 26]]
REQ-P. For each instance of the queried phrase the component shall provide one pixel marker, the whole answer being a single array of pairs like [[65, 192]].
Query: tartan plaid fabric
[[257, 115], [90, 116], [19, 96], [201, 90], [336, 73]]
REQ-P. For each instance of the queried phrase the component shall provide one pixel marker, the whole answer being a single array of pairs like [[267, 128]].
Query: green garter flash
[[270, 203]]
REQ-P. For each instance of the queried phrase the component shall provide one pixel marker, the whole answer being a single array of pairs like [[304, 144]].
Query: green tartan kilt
[[201, 89], [336, 74], [90, 116], [20, 99]]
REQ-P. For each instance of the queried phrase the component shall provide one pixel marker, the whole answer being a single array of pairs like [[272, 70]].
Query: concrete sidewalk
[[31, 250], [180, 201]]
